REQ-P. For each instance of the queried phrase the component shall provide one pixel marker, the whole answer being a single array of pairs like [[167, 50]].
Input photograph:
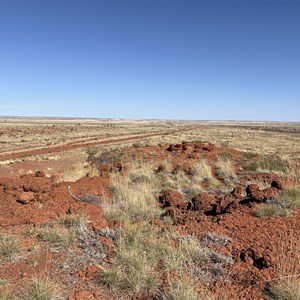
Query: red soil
[[255, 243]]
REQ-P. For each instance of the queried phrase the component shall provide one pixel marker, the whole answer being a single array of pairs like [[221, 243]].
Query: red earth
[[255, 244]]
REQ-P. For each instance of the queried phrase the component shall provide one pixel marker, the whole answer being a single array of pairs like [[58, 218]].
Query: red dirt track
[[73, 146]]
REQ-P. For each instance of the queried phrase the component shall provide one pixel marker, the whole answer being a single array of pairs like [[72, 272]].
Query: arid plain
[[149, 209]]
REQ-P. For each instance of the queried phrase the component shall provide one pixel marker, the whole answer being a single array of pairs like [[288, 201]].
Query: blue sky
[[226, 60]]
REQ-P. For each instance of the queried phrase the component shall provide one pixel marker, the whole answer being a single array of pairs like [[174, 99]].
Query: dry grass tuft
[[60, 238], [134, 195], [73, 220], [181, 289], [287, 286], [225, 168], [9, 247], [291, 196], [41, 288], [133, 270], [203, 173], [269, 210]]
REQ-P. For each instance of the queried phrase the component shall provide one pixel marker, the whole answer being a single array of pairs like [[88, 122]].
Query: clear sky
[[228, 60]]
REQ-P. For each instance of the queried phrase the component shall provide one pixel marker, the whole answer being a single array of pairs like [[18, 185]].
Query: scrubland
[[210, 211]]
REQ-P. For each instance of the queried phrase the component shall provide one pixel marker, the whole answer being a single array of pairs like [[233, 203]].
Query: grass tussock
[[41, 288], [270, 165], [287, 285], [9, 247], [134, 195], [7, 294], [291, 196], [269, 210], [133, 269], [286, 289], [225, 168], [182, 183], [73, 220], [60, 238], [142, 250], [181, 289], [203, 173]]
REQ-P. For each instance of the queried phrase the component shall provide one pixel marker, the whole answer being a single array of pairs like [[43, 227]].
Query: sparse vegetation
[[40, 288], [91, 151], [225, 155], [225, 168], [249, 155], [9, 247], [60, 238], [291, 196], [286, 289], [133, 269], [73, 220], [269, 210], [269, 164], [287, 284], [203, 173], [106, 157], [7, 294], [136, 145], [133, 195], [157, 244], [181, 289]]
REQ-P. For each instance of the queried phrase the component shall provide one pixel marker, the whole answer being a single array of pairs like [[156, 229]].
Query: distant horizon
[[143, 119], [132, 59]]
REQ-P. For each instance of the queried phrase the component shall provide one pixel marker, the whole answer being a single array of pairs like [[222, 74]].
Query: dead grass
[[133, 195], [7, 294], [181, 289], [287, 284], [203, 173], [180, 182], [225, 168]]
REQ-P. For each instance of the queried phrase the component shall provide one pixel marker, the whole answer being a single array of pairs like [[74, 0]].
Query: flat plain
[[149, 209]]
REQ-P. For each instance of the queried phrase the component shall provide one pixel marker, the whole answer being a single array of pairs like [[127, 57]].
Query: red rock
[[172, 198], [26, 197], [203, 202], [238, 192]]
